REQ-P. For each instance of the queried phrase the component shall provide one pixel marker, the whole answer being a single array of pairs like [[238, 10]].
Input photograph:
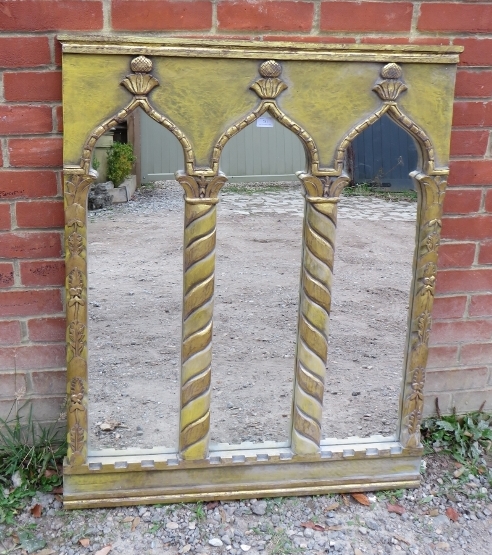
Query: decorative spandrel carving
[[140, 82], [270, 86], [391, 86]]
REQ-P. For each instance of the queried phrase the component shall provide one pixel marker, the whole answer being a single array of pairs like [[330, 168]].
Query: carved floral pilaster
[[76, 188]]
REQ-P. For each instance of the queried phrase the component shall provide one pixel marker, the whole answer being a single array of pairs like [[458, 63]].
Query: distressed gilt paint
[[205, 94]]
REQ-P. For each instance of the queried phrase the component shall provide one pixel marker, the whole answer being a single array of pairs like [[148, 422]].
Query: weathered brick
[[469, 143], [461, 331], [444, 400], [51, 15], [6, 274], [456, 255], [447, 16], [30, 357], [47, 329], [24, 52], [30, 245], [485, 252], [59, 119], [366, 16], [443, 357], [40, 213], [48, 382], [472, 114], [449, 307], [488, 200], [44, 409], [13, 384], [473, 83], [481, 305], [10, 332], [456, 281], [19, 120], [265, 16], [32, 86], [470, 172], [30, 303], [467, 227], [478, 51], [476, 353], [161, 15], [43, 272], [5, 219], [27, 184], [468, 401], [449, 380], [462, 201], [35, 152]]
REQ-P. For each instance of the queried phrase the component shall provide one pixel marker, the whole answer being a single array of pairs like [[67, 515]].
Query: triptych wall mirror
[[200, 360]]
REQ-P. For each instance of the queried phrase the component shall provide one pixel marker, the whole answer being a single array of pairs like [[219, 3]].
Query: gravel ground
[[451, 512], [422, 524]]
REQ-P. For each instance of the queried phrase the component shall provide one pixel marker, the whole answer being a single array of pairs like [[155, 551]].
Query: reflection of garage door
[[263, 150], [384, 154]]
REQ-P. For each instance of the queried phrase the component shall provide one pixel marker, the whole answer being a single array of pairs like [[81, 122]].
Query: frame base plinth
[[116, 483]]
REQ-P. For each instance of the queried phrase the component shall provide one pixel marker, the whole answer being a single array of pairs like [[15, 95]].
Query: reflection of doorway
[[383, 156]]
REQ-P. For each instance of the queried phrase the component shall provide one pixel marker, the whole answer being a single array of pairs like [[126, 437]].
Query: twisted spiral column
[[314, 312], [196, 347]]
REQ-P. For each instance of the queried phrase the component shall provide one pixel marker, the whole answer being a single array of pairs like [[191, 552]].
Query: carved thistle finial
[[140, 82], [270, 86], [390, 87]]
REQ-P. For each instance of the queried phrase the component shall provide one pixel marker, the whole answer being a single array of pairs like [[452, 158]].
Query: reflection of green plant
[[30, 460], [372, 190], [95, 163], [466, 438], [120, 162]]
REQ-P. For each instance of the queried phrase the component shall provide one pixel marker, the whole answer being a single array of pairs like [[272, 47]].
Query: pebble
[[259, 508], [215, 542]]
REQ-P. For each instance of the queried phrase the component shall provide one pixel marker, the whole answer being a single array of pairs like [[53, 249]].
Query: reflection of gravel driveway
[[135, 266]]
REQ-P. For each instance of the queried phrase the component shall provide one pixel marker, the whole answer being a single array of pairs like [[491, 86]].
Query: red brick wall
[[31, 270]]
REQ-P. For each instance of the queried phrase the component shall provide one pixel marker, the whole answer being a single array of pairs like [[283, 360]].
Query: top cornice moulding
[[217, 48]]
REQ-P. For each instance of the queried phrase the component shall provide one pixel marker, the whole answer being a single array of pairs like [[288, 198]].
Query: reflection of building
[[382, 155]]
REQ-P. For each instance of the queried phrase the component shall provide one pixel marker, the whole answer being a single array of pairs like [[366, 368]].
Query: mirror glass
[[135, 290], [371, 287], [259, 235]]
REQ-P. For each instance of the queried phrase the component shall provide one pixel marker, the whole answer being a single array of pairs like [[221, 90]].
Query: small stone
[[442, 545], [372, 524], [226, 539], [245, 547], [215, 542], [259, 508], [363, 530], [308, 533], [172, 525]]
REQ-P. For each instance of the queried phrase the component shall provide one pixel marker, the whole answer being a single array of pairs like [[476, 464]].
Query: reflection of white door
[[265, 150]]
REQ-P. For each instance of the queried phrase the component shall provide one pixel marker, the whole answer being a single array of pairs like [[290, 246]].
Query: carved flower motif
[[268, 88], [140, 83], [389, 89]]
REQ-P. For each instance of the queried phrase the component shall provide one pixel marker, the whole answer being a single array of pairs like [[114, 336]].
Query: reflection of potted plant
[[120, 162]]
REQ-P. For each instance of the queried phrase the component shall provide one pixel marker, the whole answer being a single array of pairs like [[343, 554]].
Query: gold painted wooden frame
[[307, 88]]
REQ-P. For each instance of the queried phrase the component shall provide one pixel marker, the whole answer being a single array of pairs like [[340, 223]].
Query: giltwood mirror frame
[[327, 95]]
